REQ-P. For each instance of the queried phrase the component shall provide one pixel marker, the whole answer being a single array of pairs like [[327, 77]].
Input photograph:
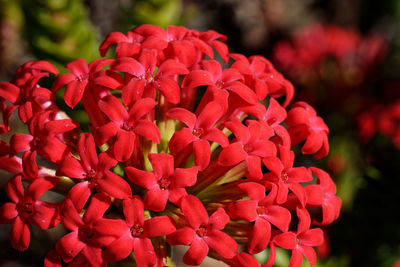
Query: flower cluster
[[383, 119], [321, 56], [180, 151]]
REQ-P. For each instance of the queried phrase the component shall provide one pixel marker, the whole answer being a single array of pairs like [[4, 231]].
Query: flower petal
[[196, 253]]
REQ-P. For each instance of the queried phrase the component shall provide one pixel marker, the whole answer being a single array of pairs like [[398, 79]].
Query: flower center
[[248, 148], [164, 183], [27, 208], [202, 231], [137, 230], [86, 232], [127, 125], [198, 132], [82, 77], [261, 210], [284, 177], [219, 84]]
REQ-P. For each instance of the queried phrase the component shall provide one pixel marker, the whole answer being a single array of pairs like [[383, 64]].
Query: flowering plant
[[180, 151]]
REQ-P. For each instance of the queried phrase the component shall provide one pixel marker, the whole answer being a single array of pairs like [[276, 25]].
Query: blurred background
[[343, 56]]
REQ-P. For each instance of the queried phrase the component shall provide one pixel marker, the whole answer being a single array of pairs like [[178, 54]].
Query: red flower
[[261, 210], [25, 210], [134, 233], [323, 195], [44, 137], [94, 169], [251, 145], [164, 183], [83, 244], [306, 125], [202, 232], [199, 130], [302, 241], [285, 176], [77, 81], [124, 125]]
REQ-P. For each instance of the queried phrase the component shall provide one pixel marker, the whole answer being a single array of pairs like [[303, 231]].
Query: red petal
[[156, 199], [202, 153], [232, 155], [87, 151], [112, 38], [107, 81], [243, 92], [99, 203], [183, 115], [169, 88], [39, 186], [182, 236], [60, 126], [244, 210], [216, 135], [25, 111], [171, 67], [184, 177], [310, 254], [219, 219], [44, 66], [72, 168], [197, 78], [52, 259], [162, 163], [62, 80], [254, 190], [8, 211], [70, 216], [74, 92], [304, 220], [144, 252], [278, 216], [119, 249], [222, 49], [14, 189], [114, 109], [194, 211], [313, 237], [79, 195], [114, 185], [69, 246], [9, 92], [78, 67], [148, 130], [128, 65], [141, 108], [209, 115], [286, 240], [222, 243], [197, 252], [142, 178], [158, 226], [296, 259], [133, 91], [124, 145], [133, 211], [180, 140], [20, 142], [20, 235], [260, 236]]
